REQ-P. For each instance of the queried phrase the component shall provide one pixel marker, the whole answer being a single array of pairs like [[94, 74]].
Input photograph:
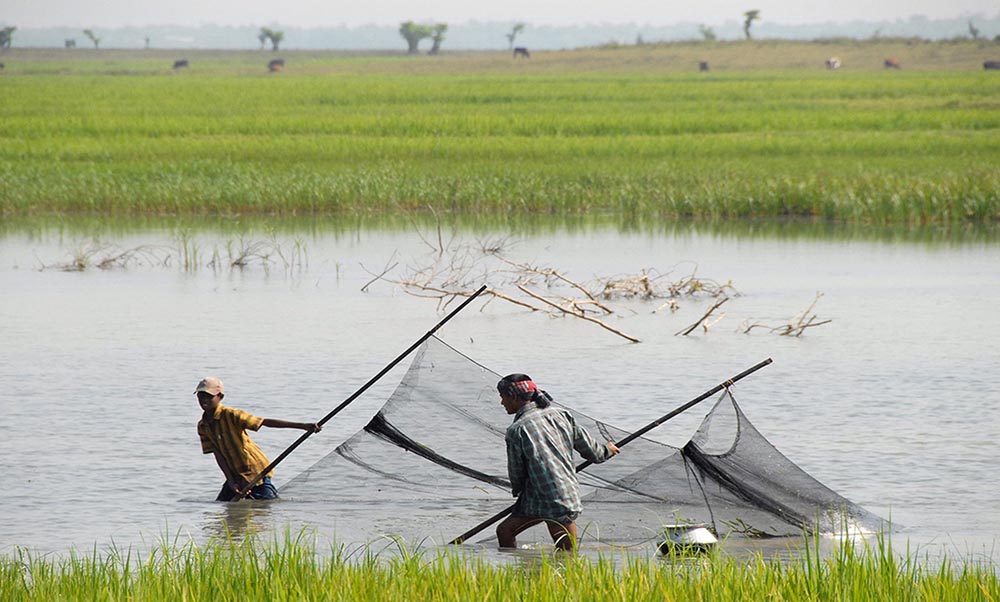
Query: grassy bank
[[630, 132], [294, 571]]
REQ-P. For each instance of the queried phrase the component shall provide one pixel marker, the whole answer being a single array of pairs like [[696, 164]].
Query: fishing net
[[432, 463]]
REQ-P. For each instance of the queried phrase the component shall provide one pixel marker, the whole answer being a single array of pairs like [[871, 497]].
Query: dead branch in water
[[641, 286], [795, 326], [107, 257], [649, 284], [669, 303], [454, 269], [551, 274], [388, 268], [701, 321], [241, 254], [578, 315]]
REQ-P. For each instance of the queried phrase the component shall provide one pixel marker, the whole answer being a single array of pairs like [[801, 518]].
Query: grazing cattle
[[522, 51], [833, 63], [276, 65], [181, 63], [702, 65], [892, 63], [991, 65]]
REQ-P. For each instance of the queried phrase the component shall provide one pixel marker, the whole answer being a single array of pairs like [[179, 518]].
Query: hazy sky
[[315, 13]]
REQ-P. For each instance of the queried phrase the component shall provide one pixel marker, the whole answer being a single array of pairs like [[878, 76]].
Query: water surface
[[894, 404]]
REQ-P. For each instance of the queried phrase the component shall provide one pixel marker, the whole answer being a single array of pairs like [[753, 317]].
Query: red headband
[[525, 386]]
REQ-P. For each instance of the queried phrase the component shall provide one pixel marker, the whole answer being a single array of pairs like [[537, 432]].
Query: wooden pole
[[639, 433], [243, 492]]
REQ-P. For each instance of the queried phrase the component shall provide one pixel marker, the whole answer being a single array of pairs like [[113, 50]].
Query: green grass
[[597, 131], [295, 570]]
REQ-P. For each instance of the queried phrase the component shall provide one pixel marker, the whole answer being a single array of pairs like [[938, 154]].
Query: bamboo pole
[[243, 492]]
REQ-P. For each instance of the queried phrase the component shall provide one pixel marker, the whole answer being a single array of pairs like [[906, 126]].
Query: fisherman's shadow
[[235, 521]]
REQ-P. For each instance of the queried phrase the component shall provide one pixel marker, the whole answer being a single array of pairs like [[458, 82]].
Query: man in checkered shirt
[[540, 444]]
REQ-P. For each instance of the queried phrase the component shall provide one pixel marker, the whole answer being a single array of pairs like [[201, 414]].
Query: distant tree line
[[495, 35], [413, 33]]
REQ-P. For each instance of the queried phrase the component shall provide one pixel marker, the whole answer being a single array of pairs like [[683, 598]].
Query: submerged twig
[[186, 253], [106, 257], [552, 274], [701, 320], [454, 270], [388, 268], [578, 315], [795, 326]]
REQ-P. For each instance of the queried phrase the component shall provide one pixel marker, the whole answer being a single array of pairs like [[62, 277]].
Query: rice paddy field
[[631, 132]]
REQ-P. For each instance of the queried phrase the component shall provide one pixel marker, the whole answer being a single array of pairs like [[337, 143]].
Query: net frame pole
[[625, 441], [246, 489]]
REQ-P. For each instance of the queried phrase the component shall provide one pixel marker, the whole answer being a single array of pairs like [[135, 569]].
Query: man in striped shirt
[[540, 444], [223, 432]]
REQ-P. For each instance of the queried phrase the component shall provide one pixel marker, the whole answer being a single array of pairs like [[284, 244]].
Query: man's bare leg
[[563, 534], [512, 525]]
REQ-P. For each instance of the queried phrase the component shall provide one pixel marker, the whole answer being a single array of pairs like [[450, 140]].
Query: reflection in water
[[788, 229], [234, 521], [532, 559]]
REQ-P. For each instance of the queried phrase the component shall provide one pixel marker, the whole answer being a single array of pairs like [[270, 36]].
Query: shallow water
[[894, 404]]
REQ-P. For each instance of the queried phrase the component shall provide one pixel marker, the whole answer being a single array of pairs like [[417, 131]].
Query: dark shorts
[[566, 518], [562, 520], [263, 491]]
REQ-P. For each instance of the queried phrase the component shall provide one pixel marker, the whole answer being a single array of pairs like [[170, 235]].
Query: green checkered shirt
[[540, 445]]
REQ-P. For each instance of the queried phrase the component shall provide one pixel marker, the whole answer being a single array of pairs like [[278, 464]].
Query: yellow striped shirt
[[226, 433]]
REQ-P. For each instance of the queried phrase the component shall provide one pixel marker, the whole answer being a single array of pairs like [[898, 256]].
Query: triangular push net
[[432, 463]]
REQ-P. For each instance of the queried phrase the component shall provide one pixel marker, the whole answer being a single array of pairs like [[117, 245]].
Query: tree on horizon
[[437, 36], [7, 37], [275, 36], [518, 28], [749, 17], [93, 38], [413, 33], [973, 31]]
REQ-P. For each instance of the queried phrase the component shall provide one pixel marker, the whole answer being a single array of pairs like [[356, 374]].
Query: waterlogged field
[[633, 132], [293, 570]]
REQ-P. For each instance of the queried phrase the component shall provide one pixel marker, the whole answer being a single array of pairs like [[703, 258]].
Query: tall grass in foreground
[[293, 570]]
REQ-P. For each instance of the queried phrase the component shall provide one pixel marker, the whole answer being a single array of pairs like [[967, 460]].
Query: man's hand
[[312, 427], [613, 448]]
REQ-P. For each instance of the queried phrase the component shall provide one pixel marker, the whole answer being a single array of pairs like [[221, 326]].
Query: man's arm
[[234, 480], [312, 427], [589, 448]]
